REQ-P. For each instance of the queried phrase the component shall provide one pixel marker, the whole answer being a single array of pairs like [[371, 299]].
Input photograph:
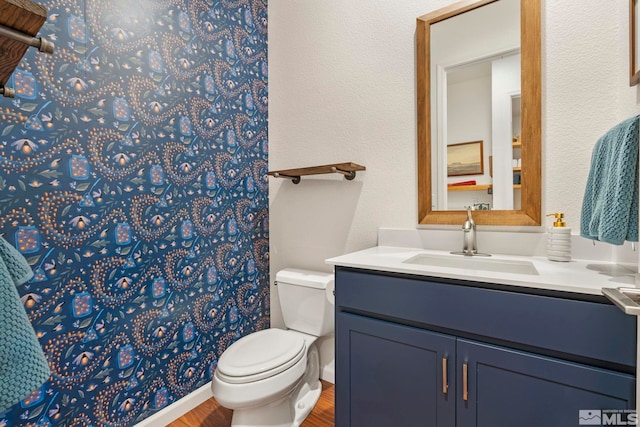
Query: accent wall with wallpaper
[[133, 179]]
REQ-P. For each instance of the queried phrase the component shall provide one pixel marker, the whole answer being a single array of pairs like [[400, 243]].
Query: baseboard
[[179, 408], [328, 374]]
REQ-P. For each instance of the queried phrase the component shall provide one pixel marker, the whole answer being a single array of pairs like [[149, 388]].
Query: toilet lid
[[260, 355]]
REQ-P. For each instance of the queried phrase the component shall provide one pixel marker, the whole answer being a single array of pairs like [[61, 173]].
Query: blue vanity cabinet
[[512, 388], [393, 375], [510, 357]]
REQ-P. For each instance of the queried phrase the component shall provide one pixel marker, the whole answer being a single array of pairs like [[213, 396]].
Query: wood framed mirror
[[634, 43], [432, 178]]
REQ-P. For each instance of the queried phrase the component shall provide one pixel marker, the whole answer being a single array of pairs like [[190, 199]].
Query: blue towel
[[23, 367], [610, 204]]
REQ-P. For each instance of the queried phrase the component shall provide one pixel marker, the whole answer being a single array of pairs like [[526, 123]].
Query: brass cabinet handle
[[465, 382], [445, 383]]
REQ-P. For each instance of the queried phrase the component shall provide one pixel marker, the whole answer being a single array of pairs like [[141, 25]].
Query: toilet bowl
[[271, 377]]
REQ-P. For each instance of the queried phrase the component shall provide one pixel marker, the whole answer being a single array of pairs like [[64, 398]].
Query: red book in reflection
[[455, 184]]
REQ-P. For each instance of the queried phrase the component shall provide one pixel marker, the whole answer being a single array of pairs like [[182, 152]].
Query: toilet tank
[[306, 299]]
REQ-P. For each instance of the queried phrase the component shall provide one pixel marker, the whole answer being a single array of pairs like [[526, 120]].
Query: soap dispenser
[[559, 239]]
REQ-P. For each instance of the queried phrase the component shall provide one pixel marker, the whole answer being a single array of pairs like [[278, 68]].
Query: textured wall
[[341, 88], [351, 66], [132, 177], [585, 92]]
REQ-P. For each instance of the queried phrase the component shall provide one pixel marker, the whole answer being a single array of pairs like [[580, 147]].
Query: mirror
[[634, 42], [476, 84]]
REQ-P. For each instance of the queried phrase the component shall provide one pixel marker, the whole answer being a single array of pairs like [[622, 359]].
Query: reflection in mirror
[[475, 70], [482, 102], [634, 42], [471, 88]]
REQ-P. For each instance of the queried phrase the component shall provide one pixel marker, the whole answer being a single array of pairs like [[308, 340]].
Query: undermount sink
[[474, 263]]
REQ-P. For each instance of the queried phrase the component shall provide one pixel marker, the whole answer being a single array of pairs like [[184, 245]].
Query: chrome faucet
[[469, 244]]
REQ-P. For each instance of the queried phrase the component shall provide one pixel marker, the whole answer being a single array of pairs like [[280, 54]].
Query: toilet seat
[[260, 355]]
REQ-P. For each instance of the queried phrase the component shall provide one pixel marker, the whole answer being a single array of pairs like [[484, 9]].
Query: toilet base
[[290, 410]]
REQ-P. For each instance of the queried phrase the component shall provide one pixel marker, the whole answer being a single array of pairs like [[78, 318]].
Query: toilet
[[272, 377]]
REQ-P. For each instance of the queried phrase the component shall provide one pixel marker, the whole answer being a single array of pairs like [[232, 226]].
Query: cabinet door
[[392, 375], [513, 388]]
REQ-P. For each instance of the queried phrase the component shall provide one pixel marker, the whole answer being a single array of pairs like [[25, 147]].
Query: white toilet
[[272, 377]]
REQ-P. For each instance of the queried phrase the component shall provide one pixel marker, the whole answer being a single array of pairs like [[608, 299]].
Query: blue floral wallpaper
[[133, 178]]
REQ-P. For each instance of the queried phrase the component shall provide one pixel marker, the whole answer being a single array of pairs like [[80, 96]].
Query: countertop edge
[[577, 276]]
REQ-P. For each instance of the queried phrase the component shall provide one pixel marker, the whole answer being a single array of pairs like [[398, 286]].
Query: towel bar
[[7, 92], [42, 44]]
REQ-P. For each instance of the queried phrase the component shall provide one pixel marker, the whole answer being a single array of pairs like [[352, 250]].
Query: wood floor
[[210, 414]]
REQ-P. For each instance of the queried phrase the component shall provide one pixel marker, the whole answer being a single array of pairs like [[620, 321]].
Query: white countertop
[[587, 277]]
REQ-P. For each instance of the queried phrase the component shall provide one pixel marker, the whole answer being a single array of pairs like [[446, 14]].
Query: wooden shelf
[[20, 21], [479, 187], [347, 169], [517, 169], [517, 186], [517, 144]]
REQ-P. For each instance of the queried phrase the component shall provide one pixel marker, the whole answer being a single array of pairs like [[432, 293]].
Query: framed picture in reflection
[[465, 158]]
